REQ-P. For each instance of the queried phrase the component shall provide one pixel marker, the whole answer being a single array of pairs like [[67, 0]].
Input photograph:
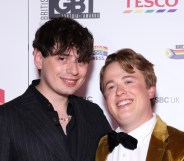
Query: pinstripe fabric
[[26, 134]]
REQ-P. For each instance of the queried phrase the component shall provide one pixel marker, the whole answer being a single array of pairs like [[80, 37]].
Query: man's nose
[[121, 90], [72, 67]]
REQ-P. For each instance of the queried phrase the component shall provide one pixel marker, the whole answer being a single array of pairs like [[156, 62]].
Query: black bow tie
[[114, 139]]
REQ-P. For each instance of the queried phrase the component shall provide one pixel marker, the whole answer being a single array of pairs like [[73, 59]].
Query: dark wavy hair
[[60, 35]]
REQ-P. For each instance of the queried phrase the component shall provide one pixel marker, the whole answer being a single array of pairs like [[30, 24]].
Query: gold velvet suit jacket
[[166, 144]]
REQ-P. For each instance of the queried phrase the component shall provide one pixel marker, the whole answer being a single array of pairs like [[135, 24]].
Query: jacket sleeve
[[4, 139]]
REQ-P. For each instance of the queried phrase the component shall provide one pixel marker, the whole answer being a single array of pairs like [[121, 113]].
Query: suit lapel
[[103, 149], [158, 142], [39, 123]]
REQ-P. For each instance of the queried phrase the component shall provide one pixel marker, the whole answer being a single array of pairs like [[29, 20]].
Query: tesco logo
[[151, 3]]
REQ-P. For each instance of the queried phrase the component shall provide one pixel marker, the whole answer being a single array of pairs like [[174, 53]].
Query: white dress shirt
[[143, 135]]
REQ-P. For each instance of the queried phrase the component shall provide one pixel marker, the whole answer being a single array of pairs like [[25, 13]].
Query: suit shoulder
[[176, 137], [89, 109], [81, 100], [10, 104], [175, 132]]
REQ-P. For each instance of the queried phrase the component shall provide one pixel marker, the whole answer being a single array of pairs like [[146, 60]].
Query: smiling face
[[127, 96], [61, 75]]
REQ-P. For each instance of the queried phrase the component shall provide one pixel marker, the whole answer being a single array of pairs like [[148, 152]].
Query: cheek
[[142, 94], [137, 89], [48, 66], [83, 70], [110, 101]]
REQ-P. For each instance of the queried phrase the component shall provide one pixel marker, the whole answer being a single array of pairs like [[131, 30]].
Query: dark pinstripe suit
[[27, 134]]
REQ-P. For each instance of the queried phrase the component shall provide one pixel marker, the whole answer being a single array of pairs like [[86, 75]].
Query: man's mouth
[[124, 102]]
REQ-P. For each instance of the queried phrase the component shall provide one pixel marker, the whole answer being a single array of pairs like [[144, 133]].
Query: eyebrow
[[129, 76], [124, 77], [65, 53]]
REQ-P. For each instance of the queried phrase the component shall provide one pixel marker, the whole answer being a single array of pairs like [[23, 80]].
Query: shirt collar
[[45, 104], [144, 130]]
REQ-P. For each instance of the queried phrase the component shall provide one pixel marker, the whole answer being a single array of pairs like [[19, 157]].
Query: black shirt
[[71, 129]]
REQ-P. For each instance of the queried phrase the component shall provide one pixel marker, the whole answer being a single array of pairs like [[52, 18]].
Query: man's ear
[[152, 92], [37, 58]]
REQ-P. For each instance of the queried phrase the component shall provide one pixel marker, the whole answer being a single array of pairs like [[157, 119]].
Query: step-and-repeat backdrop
[[153, 28]]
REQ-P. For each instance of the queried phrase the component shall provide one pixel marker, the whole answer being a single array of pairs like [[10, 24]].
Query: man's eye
[[128, 82], [80, 62], [109, 88], [61, 58]]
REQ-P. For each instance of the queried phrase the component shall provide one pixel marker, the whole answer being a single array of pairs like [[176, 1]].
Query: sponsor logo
[[150, 6], [100, 52], [167, 100], [177, 53], [76, 9], [44, 10], [2, 96]]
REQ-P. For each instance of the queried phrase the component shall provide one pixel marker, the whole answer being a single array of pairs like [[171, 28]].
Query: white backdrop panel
[[149, 29]]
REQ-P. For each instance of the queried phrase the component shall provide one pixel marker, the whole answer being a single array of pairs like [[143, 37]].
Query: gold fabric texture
[[166, 144]]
